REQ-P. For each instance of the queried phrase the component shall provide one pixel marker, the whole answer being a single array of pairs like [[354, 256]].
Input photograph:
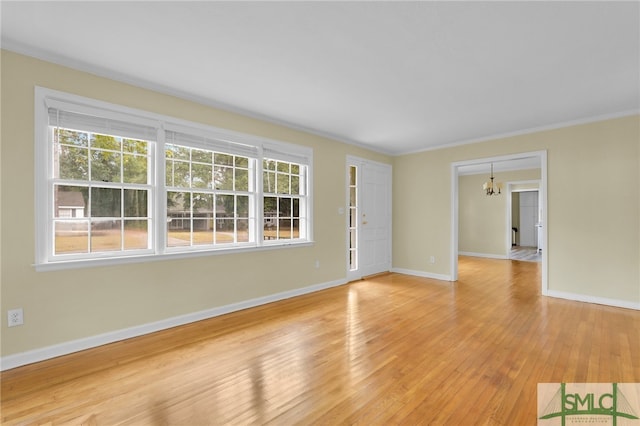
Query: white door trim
[[542, 155]]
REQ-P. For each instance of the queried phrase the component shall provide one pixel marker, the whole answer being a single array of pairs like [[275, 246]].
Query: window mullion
[[158, 179], [259, 202]]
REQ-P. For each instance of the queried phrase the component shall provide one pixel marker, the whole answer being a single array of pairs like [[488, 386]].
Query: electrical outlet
[[317, 263], [15, 317], [432, 259]]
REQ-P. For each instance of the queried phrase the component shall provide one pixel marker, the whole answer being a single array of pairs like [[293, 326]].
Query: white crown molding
[[554, 126], [22, 49], [41, 354]]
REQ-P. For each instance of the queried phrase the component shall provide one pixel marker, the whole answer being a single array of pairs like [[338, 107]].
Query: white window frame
[[45, 259]]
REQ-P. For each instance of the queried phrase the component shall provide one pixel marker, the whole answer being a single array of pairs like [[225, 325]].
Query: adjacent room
[[318, 212]]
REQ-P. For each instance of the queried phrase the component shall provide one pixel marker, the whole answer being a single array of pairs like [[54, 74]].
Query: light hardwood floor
[[393, 349]]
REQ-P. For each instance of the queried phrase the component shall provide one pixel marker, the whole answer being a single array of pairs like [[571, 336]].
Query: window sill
[[123, 260]]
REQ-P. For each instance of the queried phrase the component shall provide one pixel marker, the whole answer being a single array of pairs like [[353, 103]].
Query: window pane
[[203, 231], [105, 166], [178, 174], [201, 156], [225, 206], [352, 197], [243, 230], [70, 201], [270, 206], [177, 152], [243, 206], [134, 146], [295, 185], [73, 163], [70, 137], [295, 169], [283, 167], [105, 202], [178, 219], [179, 237], [283, 183], [224, 231], [296, 207], [135, 203], [352, 175], [178, 204], [242, 180], [202, 205], [224, 159], [285, 207], [105, 142], [242, 162], [136, 234], [106, 235], [268, 164], [295, 223], [201, 176], [223, 178], [284, 231], [71, 236], [269, 182], [134, 168], [270, 228]]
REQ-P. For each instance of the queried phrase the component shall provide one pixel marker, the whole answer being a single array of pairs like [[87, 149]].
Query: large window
[[116, 184]]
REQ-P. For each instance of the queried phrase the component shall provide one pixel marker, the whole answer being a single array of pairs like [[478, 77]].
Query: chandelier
[[491, 187]]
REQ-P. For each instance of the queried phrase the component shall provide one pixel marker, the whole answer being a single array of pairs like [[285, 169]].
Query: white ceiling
[[396, 77]]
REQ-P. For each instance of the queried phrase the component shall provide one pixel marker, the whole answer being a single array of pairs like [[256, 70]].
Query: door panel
[[528, 218], [374, 219]]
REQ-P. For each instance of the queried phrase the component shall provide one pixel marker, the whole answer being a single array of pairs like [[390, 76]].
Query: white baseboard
[[486, 255], [592, 299], [421, 274], [41, 354]]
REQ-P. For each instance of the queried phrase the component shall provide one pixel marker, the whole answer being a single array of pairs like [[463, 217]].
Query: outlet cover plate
[[15, 317]]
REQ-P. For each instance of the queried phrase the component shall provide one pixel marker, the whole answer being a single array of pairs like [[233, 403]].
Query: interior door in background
[[528, 219]]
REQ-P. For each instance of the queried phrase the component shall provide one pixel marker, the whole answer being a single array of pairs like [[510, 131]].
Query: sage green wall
[[482, 220], [66, 305], [593, 205]]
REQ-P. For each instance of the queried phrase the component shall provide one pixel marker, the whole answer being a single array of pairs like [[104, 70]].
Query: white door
[[369, 218], [528, 219]]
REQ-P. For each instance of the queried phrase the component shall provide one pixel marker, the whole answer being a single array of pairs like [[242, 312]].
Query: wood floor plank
[[391, 349]]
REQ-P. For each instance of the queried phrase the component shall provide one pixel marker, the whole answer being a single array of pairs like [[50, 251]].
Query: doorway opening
[[525, 225], [512, 162]]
